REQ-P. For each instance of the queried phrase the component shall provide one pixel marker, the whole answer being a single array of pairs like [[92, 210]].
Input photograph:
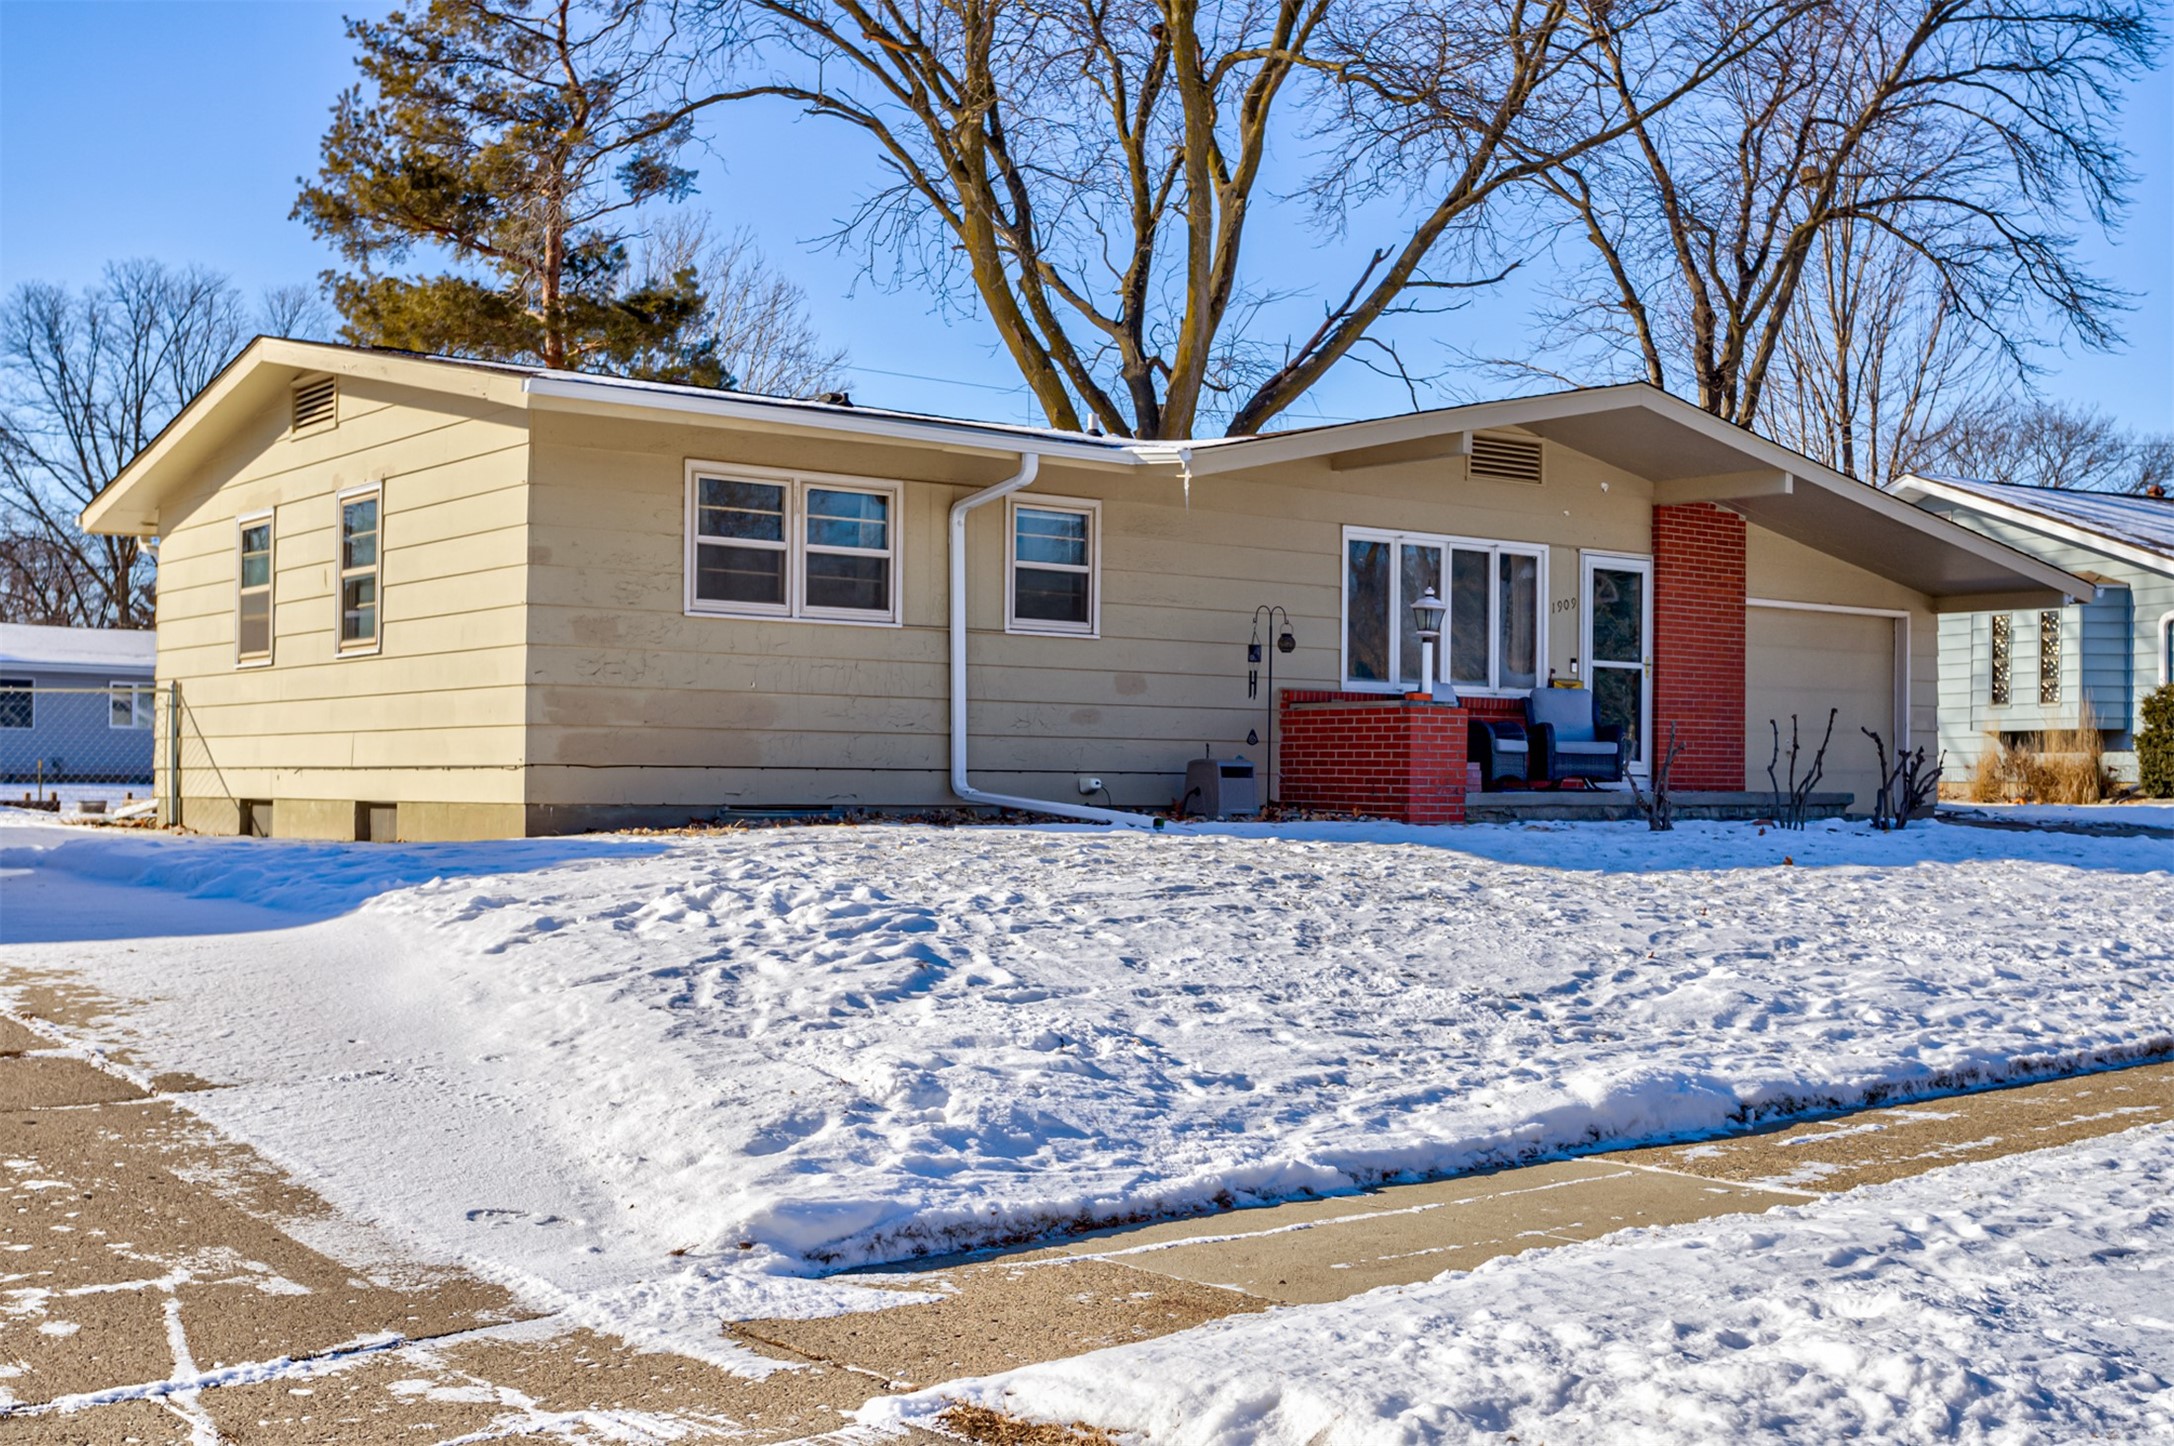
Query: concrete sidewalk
[[161, 1284]]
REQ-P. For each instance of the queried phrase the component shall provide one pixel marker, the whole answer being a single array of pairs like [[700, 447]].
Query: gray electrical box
[[1221, 788]]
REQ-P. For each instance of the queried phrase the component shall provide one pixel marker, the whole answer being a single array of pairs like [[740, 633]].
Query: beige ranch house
[[431, 599]]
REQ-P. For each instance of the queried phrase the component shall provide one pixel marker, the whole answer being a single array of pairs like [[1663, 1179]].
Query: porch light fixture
[[1427, 622]]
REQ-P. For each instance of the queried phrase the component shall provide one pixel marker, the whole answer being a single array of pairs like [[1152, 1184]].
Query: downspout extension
[[1030, 464]]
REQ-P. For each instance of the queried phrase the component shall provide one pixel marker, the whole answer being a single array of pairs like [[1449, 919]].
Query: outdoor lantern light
[[1427, 619], [1286, 643]]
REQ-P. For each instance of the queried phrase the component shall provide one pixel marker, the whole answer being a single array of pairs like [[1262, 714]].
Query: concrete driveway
[[159, 1283]]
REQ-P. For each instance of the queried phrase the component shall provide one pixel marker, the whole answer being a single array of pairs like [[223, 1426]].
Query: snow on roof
[[77, 650], [2140, 521]]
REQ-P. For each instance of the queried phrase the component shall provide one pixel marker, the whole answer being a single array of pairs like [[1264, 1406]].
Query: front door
[[1618, 608]]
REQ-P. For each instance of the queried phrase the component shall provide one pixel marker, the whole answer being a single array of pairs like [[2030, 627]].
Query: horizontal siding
[[2149, 596], [738, 699], [438, 715]]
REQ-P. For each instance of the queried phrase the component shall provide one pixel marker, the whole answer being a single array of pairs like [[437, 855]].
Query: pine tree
[[519, 140]]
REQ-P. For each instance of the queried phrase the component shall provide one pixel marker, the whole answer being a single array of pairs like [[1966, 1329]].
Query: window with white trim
[[253, 594], [1491, 635], [763, 544], [1054, 583], [361, 550], [18, 702], [130, 705]]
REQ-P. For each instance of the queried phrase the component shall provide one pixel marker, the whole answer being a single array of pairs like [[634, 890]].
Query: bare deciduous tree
[[86, 380], [754, 319], [1086, 170], [1875, 357], [1973, 134], [2043, 444], [39, 581], [297, 312]]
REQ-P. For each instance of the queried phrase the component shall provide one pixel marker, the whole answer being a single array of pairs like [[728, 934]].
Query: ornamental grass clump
[[2060, 765]]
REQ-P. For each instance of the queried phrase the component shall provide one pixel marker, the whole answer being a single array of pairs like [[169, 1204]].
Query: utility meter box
[[1221, 788]]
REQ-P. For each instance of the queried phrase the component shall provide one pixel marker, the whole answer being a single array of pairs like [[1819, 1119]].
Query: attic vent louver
[[1506, 459], [316, 403]]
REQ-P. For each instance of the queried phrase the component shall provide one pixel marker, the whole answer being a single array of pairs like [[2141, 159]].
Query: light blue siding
[[2112, 649], [71, 737]]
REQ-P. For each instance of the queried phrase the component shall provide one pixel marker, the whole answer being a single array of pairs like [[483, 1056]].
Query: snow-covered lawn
[[655, 1081], [2026, 1300]]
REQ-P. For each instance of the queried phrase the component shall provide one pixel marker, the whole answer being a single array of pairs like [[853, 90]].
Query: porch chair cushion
[[1569, 711], [1500, 748], [1566, 743]]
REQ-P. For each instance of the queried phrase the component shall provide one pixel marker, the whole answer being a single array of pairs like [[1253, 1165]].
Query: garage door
[[1804, 663]]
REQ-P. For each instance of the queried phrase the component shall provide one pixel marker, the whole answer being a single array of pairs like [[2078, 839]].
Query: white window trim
[[2166, 647], [1497, 545], [1037, 627], [30, 687], [795, 547], [376, 645], [141, 704], [242, 524]]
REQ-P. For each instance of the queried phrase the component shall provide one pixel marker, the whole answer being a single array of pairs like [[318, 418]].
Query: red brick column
[[1383, 756], [1698, 643]]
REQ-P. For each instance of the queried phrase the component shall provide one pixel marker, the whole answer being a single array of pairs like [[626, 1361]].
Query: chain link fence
[[88, 751]]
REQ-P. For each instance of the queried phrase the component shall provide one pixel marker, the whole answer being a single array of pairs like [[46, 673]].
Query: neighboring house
[[449, 599], [76, 707], [2014, 672]]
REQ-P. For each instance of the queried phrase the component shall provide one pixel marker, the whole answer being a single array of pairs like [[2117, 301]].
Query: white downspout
[[1029, 464]]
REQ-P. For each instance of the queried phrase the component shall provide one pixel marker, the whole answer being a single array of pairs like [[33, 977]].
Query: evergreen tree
[[519, 139]]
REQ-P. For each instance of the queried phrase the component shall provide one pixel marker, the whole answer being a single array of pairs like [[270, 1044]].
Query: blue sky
[[178, 130]]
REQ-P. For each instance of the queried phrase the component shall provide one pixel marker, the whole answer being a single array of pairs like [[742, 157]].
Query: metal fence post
[[173, 754]]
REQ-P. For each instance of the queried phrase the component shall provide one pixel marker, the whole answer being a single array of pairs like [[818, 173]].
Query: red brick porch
[[1386, 756]]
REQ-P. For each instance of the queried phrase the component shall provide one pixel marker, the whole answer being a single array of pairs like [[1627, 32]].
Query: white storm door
[[1617, 604]]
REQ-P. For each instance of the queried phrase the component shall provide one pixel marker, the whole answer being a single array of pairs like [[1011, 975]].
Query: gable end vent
[[316, 403], [1506, 459]]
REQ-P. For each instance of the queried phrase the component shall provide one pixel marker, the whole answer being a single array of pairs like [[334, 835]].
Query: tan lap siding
[[636, 703], [437, 716]]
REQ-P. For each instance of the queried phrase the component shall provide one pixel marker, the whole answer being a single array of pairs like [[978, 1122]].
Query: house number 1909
[[1565, 605]]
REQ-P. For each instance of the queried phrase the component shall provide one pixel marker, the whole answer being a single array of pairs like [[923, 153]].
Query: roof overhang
[[257, 378], [1690, 455], [1913, 488], [1687, 454], [612, 396]]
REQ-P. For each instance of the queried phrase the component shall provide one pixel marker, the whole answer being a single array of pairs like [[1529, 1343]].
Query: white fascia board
[[993, 439], [1913, 486], [1230, 454]]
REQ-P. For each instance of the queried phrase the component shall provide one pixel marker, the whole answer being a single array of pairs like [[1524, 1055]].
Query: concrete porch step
[[1609, 804]]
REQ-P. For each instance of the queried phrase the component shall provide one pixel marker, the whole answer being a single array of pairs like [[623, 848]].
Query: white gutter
[[1030, 463]]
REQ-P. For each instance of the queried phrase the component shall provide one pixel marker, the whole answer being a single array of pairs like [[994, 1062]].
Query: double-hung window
[[1491, 635], [768, 544], [361, 548], [253, 598], [18, 703], [129, 705], [1053, 587]]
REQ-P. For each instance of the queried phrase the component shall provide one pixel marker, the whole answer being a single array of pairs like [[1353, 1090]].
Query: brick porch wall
[[1698, 643], [1377, 754]]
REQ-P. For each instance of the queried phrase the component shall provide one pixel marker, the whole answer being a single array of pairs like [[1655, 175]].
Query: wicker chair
[[1501, 748], [1566, 743]]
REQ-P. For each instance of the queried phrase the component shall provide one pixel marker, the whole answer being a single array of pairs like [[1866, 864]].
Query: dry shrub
[[2062, 765], [994, 1428]]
